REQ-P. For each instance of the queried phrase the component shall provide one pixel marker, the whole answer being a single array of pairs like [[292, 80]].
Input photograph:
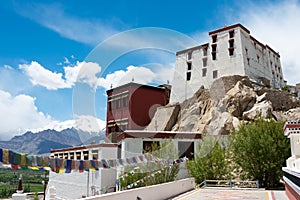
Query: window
[[204, 62], [246, 51], [231, 34], [215, 74], [85, 155], [118, 103], [214, 38], [257, 58], [214, 47], [214, 56], [148, 145], [119, 150], [123, 125], [189, 66], [125, 101], [78, 155], [231, 50], [231, 43], [186, 149], [248, 61], [95, 154], [204, 72], [72, 155], [188, 76], [214, 51], [189, 55], [204, 51]]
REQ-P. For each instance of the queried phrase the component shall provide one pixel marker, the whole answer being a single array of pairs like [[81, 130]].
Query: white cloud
[[41, 76], [141, 75], [66, 60], [84, 72], [278, 25], [87, 74], [54, 17], [19, 113]]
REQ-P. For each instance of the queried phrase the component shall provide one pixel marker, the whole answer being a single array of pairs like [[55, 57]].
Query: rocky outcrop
[[165, 118], [240, 99], [220, 109]]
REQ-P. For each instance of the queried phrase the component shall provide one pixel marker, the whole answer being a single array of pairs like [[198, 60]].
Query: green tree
[[210, 161], [260, 150]]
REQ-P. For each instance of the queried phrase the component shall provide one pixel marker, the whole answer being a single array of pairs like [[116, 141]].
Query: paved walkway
[[232, 194]]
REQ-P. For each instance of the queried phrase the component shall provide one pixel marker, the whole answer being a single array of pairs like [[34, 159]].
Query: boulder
[[239, 99], [263, 109]]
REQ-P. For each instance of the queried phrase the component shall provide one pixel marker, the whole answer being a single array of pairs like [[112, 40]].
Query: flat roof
[[84, 147], [161, 88], [158, 134], [225, 28], [192, 48]]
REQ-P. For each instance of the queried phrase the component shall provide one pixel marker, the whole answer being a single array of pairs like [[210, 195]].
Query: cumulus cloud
[[44, 77], [19, 113], [142, 75], [81, 72], [277, 24]]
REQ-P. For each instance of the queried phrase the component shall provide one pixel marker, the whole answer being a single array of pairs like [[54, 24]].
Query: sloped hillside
[[220, 109]]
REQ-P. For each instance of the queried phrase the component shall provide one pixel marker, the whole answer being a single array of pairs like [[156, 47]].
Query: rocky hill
[[42, 142], [220, 109]]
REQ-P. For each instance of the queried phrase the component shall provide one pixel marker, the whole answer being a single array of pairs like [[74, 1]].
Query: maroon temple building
[[132, 106]]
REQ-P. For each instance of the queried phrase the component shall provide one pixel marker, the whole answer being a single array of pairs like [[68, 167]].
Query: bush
[[260, 149], [210, 161]]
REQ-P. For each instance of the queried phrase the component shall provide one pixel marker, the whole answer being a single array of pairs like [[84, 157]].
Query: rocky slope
[[220, 109]]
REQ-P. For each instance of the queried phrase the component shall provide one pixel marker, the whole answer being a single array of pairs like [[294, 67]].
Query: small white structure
[[230, 51], [135, 142], [76, 185], [291, 173], [178, 145]]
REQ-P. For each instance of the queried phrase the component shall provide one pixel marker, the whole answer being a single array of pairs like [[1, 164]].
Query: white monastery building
[[76, 185], [231, 50]]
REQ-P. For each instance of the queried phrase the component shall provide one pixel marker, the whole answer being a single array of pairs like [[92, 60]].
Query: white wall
[[154, 192], [74, 185]]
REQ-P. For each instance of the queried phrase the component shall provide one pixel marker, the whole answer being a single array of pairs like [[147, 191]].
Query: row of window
[[116, 127], [80, 155], [214, 51], [204, 74], [117, 103], [215, 37]]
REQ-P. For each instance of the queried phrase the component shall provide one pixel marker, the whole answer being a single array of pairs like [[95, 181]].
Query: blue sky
[[45, 45]]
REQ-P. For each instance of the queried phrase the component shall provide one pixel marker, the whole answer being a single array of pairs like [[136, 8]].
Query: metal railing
[[229, 183]]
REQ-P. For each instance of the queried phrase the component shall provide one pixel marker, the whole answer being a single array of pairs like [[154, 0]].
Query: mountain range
[[42, 142]]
